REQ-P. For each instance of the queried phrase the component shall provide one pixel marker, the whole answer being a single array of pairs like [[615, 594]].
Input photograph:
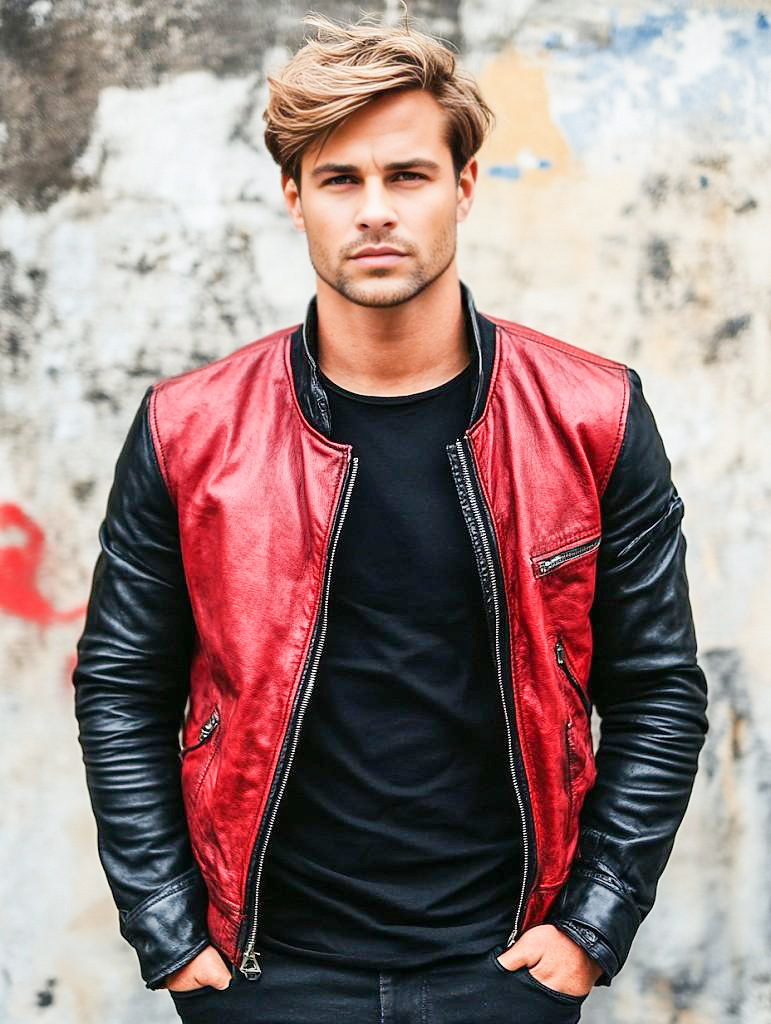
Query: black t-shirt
[[396, 840]]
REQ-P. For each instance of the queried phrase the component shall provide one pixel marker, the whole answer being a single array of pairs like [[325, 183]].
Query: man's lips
[[378, 257]]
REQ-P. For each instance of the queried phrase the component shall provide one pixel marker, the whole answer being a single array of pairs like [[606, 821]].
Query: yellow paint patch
[[516, 90]]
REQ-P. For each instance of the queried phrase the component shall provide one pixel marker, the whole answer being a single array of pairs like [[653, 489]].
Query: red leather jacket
[[213, 581]]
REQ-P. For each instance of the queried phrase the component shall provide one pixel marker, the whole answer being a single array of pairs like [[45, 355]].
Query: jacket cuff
[[599, 918], [593, 945], [168, 928]]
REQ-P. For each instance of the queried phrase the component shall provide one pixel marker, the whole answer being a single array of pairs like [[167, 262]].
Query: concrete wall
[[623, 205]]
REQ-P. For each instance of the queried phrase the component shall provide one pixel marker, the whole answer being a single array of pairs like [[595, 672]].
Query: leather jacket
[[208, 613]]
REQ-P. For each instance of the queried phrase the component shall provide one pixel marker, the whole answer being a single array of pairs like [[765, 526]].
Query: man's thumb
[[516, 956]]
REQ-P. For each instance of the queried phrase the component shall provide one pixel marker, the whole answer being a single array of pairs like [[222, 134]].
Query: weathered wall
[[623, 205]]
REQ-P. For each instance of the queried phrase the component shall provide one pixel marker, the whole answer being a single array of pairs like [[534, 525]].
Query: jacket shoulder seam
[[620, 431], [157, 441]]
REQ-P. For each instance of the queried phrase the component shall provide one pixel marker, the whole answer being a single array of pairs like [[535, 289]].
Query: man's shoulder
[[537, 344], [241, 363]]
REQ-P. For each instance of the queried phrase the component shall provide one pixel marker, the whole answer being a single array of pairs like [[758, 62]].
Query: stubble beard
[[394, 291]]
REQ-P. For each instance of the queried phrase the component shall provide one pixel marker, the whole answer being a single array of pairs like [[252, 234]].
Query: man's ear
[[466, 182], [292, 201]]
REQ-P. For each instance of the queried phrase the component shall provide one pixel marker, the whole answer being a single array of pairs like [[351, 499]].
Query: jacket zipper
[[562, 661], [250, 966], [204, 733], [486, 564], [544, 565]]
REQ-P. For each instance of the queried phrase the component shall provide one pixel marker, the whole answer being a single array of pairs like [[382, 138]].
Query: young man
[[392, 556]]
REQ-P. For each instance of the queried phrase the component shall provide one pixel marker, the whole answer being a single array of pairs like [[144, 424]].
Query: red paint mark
[[21, 550]]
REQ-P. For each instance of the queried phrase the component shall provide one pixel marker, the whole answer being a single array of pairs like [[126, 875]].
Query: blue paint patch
[[714, 103], [633, 38], [513, 172], [703, 181], [553, 41], [509, 171]]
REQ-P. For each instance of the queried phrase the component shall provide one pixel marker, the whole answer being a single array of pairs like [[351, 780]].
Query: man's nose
[[375, 210]]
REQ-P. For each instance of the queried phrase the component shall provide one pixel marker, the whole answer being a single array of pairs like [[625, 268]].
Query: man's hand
[[208, 968], [559, 962]]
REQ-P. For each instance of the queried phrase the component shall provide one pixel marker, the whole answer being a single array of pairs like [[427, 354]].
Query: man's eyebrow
[[398, 165]]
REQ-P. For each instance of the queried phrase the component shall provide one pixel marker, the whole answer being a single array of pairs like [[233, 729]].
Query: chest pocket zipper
[[543, 564]]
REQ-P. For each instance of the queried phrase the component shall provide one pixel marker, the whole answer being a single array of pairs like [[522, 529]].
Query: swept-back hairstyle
[[346, 66]]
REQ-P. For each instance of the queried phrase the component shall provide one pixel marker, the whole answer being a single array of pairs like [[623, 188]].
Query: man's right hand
[[208, 968]]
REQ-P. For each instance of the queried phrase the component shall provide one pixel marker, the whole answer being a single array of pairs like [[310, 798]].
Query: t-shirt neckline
[[416, 396]]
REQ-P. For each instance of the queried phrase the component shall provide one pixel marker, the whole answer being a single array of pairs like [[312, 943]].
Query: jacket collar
[[480, 334]]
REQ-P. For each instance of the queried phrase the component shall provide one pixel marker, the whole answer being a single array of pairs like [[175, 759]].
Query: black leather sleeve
[[131, 683], [651, 696]]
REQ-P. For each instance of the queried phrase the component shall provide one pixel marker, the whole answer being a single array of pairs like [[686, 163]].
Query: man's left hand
[[554, 959]]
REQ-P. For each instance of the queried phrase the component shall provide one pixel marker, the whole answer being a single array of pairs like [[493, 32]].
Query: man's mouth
[[378, 256]]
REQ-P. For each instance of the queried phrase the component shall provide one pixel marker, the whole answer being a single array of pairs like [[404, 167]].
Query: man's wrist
[[593, 945]]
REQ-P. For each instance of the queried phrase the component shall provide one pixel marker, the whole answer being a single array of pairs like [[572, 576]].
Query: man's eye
[[343, 179]]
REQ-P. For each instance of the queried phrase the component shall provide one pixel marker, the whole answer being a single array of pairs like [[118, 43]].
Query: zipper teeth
[[562, 661], [303, 704], [548, 564], [496, 606]]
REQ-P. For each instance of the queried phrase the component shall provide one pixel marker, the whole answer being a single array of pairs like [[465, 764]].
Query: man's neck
[[396, 350]]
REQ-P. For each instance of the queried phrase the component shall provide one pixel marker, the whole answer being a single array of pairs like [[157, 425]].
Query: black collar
[[480, 334]]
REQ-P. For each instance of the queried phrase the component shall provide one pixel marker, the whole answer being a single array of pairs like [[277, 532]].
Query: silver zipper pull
[[209, 725], [250, 966]]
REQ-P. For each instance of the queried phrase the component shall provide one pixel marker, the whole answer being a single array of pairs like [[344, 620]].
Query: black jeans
[[294, 990]]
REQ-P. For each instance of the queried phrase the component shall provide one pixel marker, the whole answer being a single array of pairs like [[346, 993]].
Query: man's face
[[383, 178]]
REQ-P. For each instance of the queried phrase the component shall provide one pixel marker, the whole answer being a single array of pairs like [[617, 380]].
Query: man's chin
[[379, 291]]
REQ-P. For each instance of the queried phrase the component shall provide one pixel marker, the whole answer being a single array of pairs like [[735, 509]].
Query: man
[[392, 556]]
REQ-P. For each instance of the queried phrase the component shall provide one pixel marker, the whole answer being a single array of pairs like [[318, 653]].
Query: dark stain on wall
[[45, 996], [98, 396], [21, 295], [656, 188], [53, 68], [748, 205], [727, 332], [659, 262]]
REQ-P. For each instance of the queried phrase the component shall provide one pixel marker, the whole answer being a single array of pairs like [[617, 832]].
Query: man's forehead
[[395, 128]]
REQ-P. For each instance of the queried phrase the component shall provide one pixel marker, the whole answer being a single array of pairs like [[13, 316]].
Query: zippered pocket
[[205, 733], [562, 662], [548, 561]]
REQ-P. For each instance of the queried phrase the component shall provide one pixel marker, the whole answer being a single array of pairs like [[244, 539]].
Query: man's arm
[[131, 684], [651, 696]]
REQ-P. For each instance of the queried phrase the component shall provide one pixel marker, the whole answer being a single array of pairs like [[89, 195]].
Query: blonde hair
[[346, 66]]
